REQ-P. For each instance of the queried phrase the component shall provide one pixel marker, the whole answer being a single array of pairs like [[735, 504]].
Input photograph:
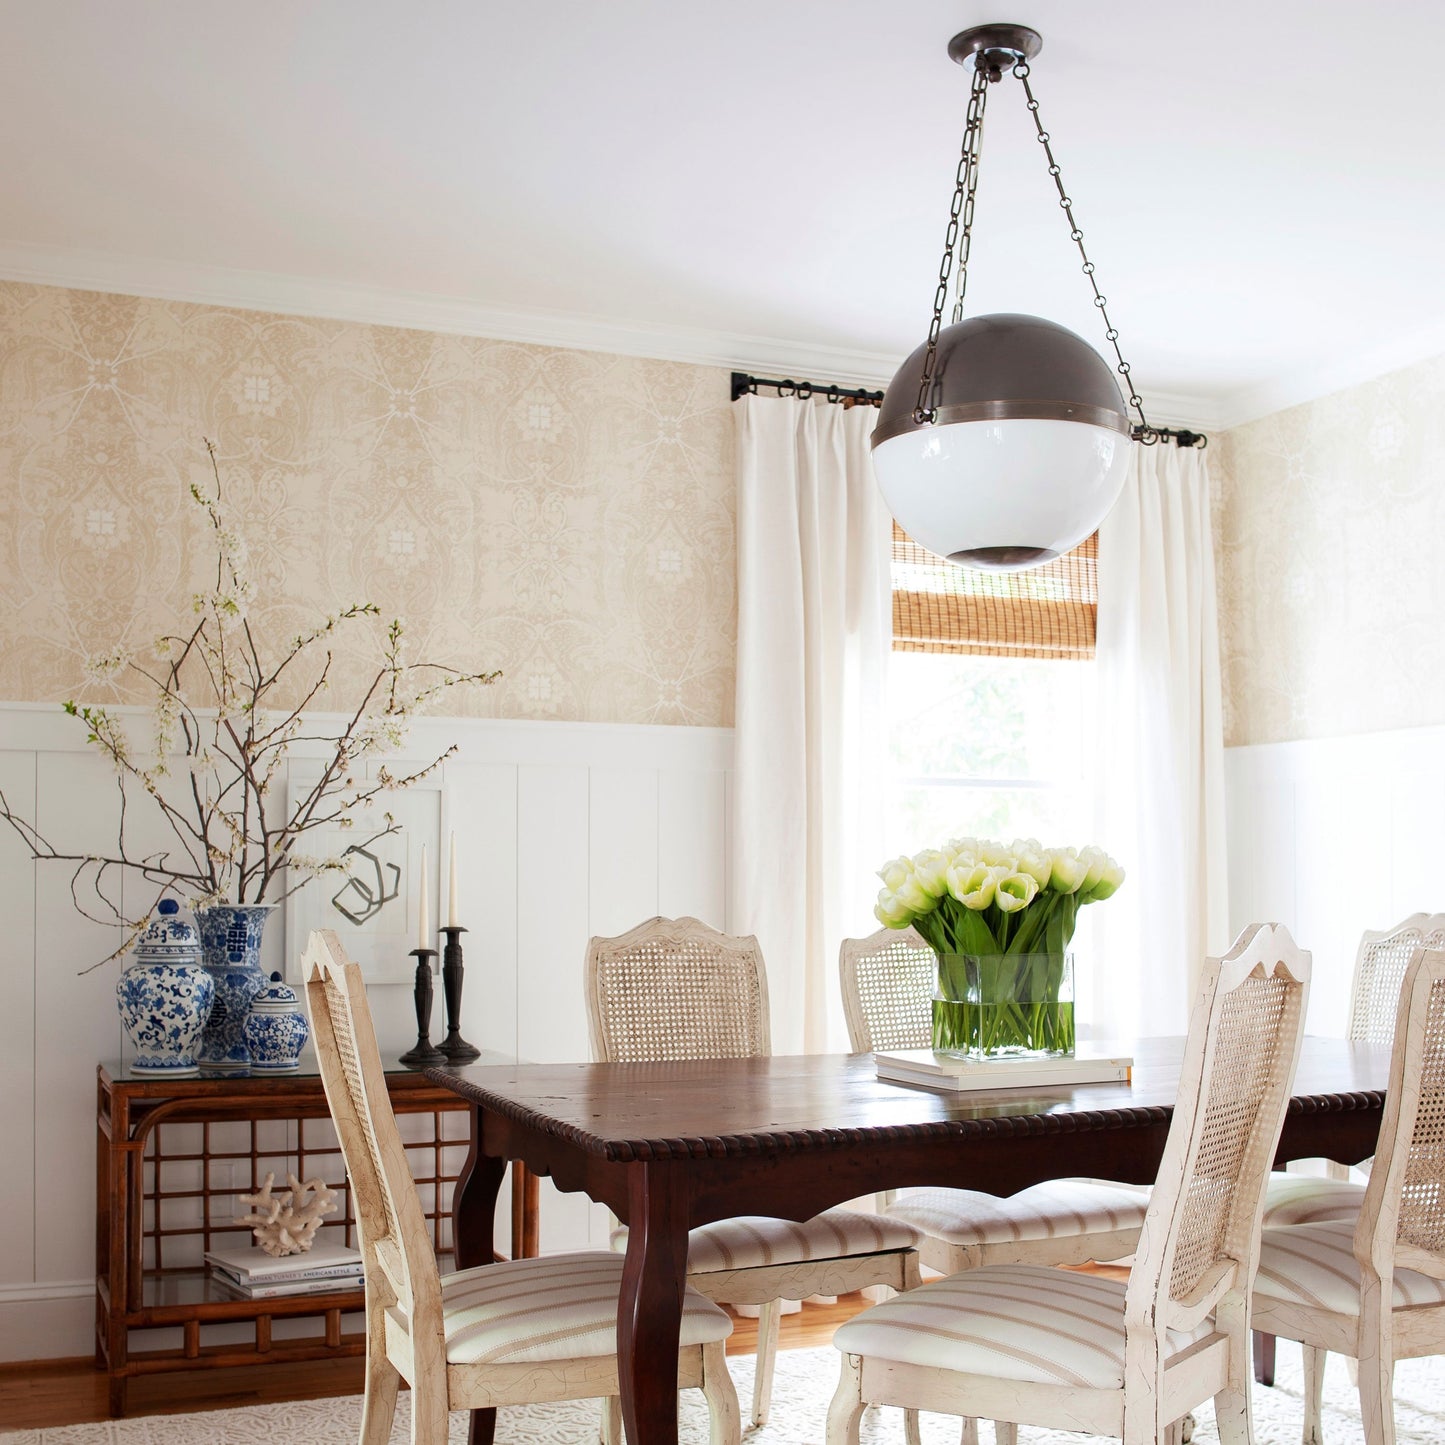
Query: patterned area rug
[[802, 1387]]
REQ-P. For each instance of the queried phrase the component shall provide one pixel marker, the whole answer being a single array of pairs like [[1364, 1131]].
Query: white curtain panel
[[1160, 789], [814, 634]]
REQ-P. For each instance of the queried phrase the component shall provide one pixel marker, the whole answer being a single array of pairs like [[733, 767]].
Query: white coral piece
[[286, 1222]]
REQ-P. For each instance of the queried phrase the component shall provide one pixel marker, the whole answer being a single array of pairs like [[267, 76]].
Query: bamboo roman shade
[[1048, 612]]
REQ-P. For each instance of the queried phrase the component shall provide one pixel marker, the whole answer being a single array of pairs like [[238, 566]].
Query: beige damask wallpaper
[[565, 516], [1331, 534]]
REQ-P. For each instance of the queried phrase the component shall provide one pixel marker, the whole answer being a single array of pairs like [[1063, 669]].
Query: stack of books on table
[[254, 1274], [922, 1068]]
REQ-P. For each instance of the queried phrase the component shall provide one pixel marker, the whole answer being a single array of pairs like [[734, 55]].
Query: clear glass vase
[[1004, 1006]]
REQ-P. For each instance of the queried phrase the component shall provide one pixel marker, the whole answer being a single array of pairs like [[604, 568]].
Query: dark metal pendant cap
[[1001, 367]]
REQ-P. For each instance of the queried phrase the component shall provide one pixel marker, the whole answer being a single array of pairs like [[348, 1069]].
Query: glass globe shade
[[1028, 451]]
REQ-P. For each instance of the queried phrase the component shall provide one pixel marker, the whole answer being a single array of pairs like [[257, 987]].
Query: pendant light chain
[[958, 236], [965, 235], [1144, 432]]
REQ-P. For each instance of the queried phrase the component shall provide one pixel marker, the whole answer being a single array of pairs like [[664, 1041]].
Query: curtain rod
[[744, 385]]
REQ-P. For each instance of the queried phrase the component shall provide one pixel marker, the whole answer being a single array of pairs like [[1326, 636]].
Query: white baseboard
[[47, 1321]]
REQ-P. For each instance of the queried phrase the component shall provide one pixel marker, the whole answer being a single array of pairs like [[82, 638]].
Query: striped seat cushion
[[558, 1307], [752, 1240], [1314, 1264], [1007, 1321], [1298, 1199], [1059, 1208]]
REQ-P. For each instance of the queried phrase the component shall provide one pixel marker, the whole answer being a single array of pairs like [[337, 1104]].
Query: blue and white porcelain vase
[[231, 953], [165, 995], [276, 1029]]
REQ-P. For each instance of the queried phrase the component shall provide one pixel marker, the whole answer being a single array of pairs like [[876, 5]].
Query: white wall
[[565, 829], [1331, 836]]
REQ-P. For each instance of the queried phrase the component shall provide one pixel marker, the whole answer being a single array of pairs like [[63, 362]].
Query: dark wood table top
[[729, 1107]]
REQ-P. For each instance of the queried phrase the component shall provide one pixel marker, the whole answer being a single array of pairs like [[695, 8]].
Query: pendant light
[[1003, 440]]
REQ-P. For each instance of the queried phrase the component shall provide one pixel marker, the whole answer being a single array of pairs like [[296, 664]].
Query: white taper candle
[[423, 922], [452, 920]]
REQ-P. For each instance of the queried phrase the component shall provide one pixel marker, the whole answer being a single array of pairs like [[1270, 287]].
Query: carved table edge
[[766, 1142]]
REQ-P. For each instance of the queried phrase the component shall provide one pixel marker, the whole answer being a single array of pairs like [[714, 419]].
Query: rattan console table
[[171, 1156]]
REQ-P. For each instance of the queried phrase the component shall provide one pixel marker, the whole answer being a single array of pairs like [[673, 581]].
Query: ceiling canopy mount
[[998, 48]]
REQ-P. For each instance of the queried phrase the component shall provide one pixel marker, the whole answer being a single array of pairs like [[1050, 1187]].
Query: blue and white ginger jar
[[231, 952], [276, 1029], [165, 995]]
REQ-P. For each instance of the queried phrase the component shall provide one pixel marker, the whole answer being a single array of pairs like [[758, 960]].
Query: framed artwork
[[373, 909]]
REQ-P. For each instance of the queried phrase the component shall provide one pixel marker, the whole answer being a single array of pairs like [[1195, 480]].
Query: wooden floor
[[72, 1392]]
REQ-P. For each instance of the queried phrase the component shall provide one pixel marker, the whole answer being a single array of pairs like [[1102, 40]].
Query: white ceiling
[[765, 183]]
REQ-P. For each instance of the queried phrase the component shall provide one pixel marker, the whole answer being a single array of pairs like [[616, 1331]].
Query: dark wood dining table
[[668, 1147]]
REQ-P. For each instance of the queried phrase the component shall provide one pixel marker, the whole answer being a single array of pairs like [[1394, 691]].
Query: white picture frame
[[374, 911]]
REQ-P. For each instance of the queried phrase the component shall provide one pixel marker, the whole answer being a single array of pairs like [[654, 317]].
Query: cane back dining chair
[[887, 982], [1380, 965], [518, 1332], [1373, 1287], [676, 989], [1032, 1345]]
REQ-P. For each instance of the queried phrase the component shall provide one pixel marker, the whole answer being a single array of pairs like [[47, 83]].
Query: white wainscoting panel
[[563, 830], [486, 834], [1332, 836], [17, 1028], [692, 882]]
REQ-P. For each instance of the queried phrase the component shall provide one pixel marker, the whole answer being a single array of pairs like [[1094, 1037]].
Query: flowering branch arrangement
[[978, 897], [226, 713]]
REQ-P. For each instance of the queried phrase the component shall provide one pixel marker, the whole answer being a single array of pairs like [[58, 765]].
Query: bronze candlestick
[[454, 1046], [425, 1052]]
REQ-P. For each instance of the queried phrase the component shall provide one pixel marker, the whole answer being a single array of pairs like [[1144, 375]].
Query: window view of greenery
[[989, 747]]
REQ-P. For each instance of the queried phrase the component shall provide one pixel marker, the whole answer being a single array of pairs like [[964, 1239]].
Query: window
[[991, 700]]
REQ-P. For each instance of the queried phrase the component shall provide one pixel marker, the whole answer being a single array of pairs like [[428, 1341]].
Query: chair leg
[[969, 1434], [770, 1318], [846, 1409], [1263, 1358], [378, 1406], [911, 1435], [1314, 1384], [611, 1429], [1232, 1413], [429, 1422], [1377, 1399], [1005, 1432], [725, 1421]]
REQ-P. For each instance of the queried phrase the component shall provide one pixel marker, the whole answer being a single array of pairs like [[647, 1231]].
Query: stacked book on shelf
[[253, 1274]]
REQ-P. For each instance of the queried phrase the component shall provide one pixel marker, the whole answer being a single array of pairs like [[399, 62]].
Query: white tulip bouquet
[[1000, 920]]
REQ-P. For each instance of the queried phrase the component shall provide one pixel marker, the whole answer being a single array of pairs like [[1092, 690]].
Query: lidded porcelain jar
[[165, 995], [276, 1028], [231, 951]]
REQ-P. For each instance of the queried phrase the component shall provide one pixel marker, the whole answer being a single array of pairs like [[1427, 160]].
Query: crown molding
[[1176, 409], [1311, 383], [457, 315], [424, 311]]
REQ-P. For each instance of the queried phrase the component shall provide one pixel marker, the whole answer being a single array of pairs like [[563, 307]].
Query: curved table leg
[[649, 1309], [474, 1215]]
